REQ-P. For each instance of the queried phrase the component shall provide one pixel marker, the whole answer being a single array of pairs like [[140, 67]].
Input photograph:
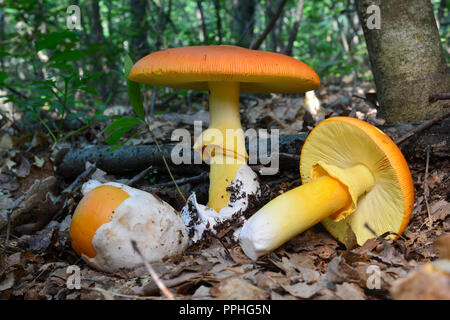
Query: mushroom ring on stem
[[352, 174], [110, 215], [224, 71]]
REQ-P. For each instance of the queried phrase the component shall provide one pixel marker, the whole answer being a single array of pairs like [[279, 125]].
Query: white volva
[[245, 183], [156, 227]]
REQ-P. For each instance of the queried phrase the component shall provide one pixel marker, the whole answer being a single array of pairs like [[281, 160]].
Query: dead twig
[[426, 190], [139, 176], [289, 156], [438, 96], [10, 210], [277, 120], [201, 177], [165, 161], [422, 127], [152, 272]]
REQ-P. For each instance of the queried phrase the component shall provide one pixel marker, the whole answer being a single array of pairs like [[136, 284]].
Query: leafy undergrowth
[[313, 265]]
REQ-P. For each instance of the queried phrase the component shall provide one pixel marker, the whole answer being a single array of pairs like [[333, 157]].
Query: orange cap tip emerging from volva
[[111, 215]]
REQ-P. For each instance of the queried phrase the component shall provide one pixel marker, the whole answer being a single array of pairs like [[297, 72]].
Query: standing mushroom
[[352, 174], [224, 71]]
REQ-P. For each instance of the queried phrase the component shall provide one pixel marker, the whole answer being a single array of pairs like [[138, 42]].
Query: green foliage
[[47, 69], [122, 125]]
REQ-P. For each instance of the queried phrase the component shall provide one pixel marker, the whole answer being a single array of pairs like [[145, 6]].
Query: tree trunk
[[201, 20], [441, 11], [2, 34], [218, 21], [294, 31], [98, 38], [407, 59], [243, 22], [139, 46], [269, 26]]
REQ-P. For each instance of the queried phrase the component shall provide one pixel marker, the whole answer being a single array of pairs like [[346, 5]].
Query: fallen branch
[[422, 127], [138, 158], [438, 96], [139, 176], [201, 177]]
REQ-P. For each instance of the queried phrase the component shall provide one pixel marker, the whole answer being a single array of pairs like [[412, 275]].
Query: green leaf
[[88, 89], [134, 90], [134, 93], [128, 64], [3, 76], [65, 56], [125, 122], [117, 146], [51, 40], [114, 137]]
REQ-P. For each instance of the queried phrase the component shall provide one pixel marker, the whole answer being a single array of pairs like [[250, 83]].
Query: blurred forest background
[[47, 66], [60, 89]]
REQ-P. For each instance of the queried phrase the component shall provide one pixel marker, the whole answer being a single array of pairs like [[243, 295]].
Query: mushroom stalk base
[[223, 140], [297, 210]]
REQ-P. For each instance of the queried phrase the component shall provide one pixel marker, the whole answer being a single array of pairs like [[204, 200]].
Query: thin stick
[[9, 211], [165, 161], [200, 177], [291, 156], [139, 176], [426, 191], [152, 272], [422, 127], [439, 96]]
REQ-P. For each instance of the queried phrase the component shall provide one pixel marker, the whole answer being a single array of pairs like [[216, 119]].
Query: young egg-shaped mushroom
[[110, 215], [353, 174], [224, 71]]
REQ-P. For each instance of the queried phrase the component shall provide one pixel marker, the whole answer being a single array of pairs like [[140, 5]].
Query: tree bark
[[2, 34], [218, 20], [71, 162], [137, 158], [294, 31], [441, 10], [269, 27], [243, 22], [201, 18], [407, 59], [139, 45]]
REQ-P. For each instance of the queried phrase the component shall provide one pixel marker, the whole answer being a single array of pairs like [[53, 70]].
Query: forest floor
[[311, 266]]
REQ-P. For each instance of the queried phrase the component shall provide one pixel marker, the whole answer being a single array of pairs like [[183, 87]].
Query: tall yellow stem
[[301, 208], [226, 135]]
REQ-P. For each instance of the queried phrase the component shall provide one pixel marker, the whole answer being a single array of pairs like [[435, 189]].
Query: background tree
[[243, 21], [40, 56], [407, 59]]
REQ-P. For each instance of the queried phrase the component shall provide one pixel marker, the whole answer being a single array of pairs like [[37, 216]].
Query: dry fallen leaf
[[350, 291], [303, 290], [423, 284], [236, 288]]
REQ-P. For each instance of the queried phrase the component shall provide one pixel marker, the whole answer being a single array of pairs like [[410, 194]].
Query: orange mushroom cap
[[256, 71], [94, 210], [345, 142]]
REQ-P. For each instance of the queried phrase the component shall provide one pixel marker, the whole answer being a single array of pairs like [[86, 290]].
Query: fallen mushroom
[[352, 174], [110, 215], [224, 71]]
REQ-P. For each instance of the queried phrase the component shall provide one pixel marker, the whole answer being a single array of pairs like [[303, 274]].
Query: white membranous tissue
[[200, 219]]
